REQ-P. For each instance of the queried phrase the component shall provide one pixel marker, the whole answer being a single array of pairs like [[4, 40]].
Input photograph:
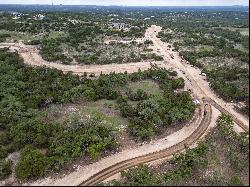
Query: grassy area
[[243, 31], [19, 36], [148, 86], [57, 34], [28, 36], [106, 109]]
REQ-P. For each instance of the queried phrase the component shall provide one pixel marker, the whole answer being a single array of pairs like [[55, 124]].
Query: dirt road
[[31, 56], [195, 81], [202, 126], [145, 153]]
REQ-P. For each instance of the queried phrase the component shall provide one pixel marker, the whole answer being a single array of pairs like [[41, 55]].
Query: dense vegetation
[[3, 37], [221, 159], [151, 113], [218, 44], [47, 145], [225, 80], [5, 168], [213, 40], [65, 37]]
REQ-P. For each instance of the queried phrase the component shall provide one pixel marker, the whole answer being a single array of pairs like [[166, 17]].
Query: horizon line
[[129, 5]]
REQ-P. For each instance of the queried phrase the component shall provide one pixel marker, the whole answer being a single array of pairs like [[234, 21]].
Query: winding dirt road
[[31, 56], [199, 131], [155, 150], [162, 148], [192, 76]]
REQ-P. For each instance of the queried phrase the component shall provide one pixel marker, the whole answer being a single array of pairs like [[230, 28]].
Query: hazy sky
[[133, 2]]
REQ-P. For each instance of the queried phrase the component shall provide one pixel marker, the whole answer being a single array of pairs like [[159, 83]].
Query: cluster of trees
[[221, 48], [190, 167], [231, 83], [32, 164], [152, 56], [134, 32], [4, 36], [184, 20], [148, 42], [237, 151], [165, 37], [5, 168], [25, 90], [79, 33], [185, 166], [228, 34], [151, 114], [51, 51], [192, 56], [26, 23], [78, 28], [64, 143], [88, 59], [132, 57], [212, 32], [225, 81], [33, 42], [200, 39]]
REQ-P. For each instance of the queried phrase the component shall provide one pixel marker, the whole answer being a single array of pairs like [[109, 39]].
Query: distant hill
[[83, 8]]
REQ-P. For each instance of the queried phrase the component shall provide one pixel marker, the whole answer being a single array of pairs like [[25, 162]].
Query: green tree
[[5, 168], [32, 164]]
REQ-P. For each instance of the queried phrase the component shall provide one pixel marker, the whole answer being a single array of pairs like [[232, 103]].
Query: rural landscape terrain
[[124, 96]]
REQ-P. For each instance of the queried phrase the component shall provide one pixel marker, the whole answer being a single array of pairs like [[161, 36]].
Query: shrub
[[34, 42], [80, 92], [178, 83], [4, 139], [33, 164], [32, 132], [5, 168], [139, 176], [127, 110], [138, 95], [148, 42], [88, 137], [3, 152], [235, 181]]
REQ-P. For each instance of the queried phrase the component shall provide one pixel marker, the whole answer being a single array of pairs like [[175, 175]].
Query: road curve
[[205, 112], [31, 56], [85, 172]]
